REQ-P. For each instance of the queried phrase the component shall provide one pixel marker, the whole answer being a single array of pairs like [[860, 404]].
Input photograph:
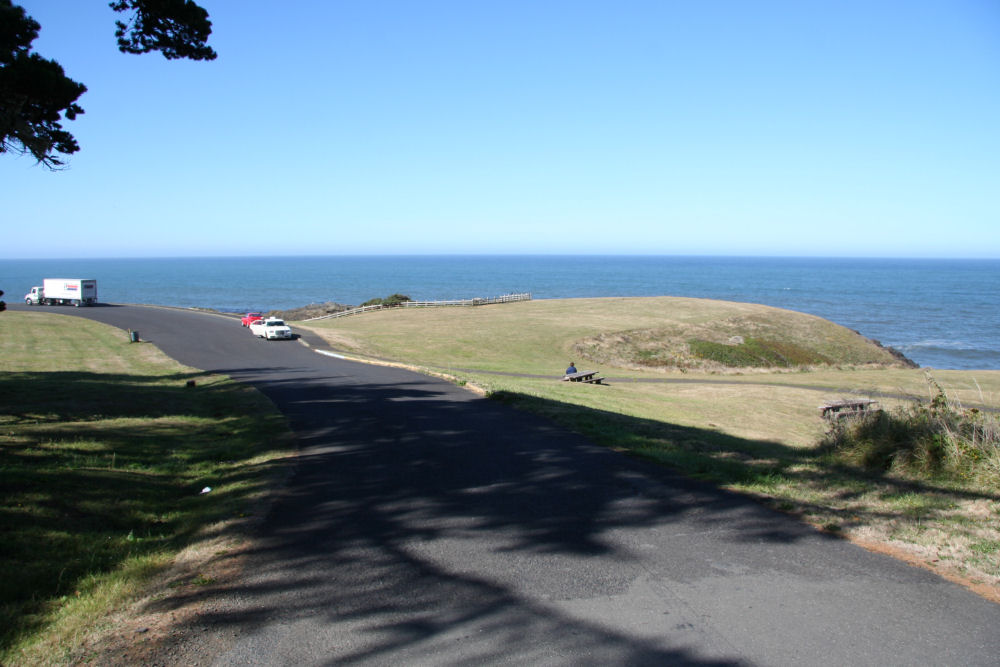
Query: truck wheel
[[27, 302], [76, 303]]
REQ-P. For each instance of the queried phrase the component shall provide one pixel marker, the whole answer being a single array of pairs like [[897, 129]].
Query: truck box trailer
[[63, 292]]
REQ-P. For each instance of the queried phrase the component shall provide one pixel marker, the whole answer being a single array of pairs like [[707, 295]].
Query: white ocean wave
[[941, 344]]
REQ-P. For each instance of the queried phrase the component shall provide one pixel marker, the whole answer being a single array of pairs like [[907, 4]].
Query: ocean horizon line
[[888, 258]]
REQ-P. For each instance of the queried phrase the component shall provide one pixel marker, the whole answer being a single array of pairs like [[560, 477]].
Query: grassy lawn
[[104, 453], [757, 431]]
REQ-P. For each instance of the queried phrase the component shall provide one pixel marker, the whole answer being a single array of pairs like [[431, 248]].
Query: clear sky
[[799, 127]]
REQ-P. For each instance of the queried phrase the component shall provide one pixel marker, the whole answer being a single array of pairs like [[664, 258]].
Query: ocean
[[942, 313]]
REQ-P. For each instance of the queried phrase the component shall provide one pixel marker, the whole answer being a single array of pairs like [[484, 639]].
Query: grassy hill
[[630, 334]]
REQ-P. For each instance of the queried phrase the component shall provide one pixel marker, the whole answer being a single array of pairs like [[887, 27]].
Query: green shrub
[[396, 299], [755, 352], [656, 357], [936, 439], [391, 300]]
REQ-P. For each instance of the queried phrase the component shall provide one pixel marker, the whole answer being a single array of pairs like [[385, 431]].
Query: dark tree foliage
[[176, 28], [389, 301], [36, 94]]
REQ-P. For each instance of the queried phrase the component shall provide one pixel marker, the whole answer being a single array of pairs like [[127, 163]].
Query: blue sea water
[[941, 313]]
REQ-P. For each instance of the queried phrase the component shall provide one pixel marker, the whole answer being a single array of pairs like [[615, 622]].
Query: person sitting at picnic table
[[571, 369]]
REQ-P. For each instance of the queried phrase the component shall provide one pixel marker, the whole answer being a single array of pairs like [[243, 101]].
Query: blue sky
[[374, 127]]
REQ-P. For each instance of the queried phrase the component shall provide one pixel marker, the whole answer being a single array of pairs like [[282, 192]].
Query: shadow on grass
[[99, 469], [723, 459]]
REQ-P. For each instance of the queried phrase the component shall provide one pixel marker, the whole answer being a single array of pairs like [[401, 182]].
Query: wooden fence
[[506, 298]]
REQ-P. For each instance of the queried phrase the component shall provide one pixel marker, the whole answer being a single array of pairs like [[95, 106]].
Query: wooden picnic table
[[848, 407], [589, 377]]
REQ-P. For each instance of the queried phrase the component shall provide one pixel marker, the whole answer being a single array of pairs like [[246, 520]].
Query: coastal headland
[[753, 428]]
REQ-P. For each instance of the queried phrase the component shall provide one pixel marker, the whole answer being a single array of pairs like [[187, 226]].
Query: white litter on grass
[[207, 489]]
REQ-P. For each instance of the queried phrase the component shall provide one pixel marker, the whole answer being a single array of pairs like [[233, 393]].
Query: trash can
[[133, 336]]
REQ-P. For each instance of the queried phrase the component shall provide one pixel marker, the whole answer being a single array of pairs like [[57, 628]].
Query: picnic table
[[590, 377], [850, 407]]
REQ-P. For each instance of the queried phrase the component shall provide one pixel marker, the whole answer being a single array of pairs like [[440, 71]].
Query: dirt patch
[[167, 626]]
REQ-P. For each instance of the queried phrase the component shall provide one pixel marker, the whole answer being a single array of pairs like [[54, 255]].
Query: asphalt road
[[426, 525]]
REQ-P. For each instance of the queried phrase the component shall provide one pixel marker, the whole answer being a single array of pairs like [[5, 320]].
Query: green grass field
[[104, 452], [753, 430]]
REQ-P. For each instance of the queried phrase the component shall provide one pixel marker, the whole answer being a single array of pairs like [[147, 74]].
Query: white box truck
[[63, 292]]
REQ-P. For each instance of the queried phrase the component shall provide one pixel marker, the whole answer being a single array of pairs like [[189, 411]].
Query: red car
[[250, 318]]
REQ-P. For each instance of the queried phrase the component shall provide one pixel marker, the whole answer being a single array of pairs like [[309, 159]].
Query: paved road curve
[[425, 525]]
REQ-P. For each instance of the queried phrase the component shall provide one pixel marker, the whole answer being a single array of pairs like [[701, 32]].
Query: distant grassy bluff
[[632, 334]]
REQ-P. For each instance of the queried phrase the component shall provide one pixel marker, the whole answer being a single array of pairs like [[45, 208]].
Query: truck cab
[[34, 296]]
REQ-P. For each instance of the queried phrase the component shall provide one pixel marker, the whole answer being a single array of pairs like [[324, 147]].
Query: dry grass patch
[[772, 338]]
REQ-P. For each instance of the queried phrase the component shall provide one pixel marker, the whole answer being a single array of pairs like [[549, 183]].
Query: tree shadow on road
[[423, 525]]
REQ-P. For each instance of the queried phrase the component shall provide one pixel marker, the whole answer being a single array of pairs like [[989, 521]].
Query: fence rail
[[506, 298]]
